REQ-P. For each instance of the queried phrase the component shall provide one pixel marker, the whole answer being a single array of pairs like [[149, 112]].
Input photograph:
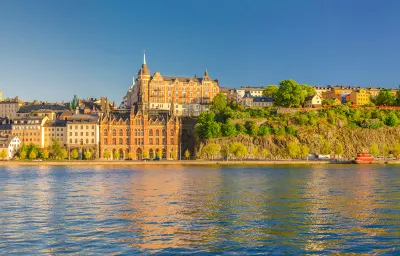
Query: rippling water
[[200, 210]]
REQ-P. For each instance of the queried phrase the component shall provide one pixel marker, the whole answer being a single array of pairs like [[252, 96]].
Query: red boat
[[364, 158]]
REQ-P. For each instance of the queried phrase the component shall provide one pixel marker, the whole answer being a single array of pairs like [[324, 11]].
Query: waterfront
[[320, 209]]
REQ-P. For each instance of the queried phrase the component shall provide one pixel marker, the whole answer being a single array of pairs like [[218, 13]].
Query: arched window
[[120, 142], [121, 133], [151, 153], [171, 141], [114, 132], [164, 141], [151, 132], [141, 132], [164, 132], [115, 141], [128, 141], [171, 132], [105, 132], [87, 141], [70, 140], [157, 132], [127, 132], [157, 141], [136, 141], [151, 141], [136, 132]]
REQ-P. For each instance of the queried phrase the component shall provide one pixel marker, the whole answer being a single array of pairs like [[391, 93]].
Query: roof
[[41, 107], [263, 99], [55, 123], [185, 79], [83, 119], [6, 139]]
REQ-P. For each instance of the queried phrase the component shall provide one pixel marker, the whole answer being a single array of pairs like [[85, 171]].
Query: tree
[[56, 149], [228, 129], [264, 130], [87, 154], [3, 154], [374, 149], [224, 152], [218, 103], [265, 154], [211, 149], [187, 154], [22, 154], [291, 94], [255, 151], [304, 151], [238, 149], [64, 154], [207, 127], [240, 128], [129, 155], [117, 155], [326, 148], [396, 149], [107, 154], [32, 155], [293, 149], [45, 154], [145, 154], [251, 127], [338, 149], [391, 119], [270, 91], [74, 103], [385, 98], [74, 154], [159, 154]]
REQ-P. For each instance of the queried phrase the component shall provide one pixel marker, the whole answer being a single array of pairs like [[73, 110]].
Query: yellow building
[[337, 92], [359, 97], [55, 129], [30, 130]]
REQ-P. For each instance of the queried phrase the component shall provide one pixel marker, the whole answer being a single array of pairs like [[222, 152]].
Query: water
[[119, 210]]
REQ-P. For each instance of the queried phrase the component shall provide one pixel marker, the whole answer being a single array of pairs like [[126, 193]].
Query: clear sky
[[50, 50]]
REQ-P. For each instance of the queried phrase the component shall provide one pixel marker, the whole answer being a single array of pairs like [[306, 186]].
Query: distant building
[[359, 97], [10, 107], [83, 130], [253, 91], [10, 144], [319, 90], [30, 129], [313, 101], [249, 101], [228, 92], [55, 130]]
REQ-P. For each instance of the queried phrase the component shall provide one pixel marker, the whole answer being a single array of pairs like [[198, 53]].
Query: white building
[[254, 91], [83, 130], [10, 144]]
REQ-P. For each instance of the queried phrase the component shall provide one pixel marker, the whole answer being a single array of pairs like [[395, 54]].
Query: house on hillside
[[10, 144], [313, 101]]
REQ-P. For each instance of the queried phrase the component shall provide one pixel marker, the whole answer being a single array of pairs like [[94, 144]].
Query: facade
[[55, 130], [30, 130], [10, 144], [338, 92], [82, 130], [163, 91], [319, 90], [253, 91], [228, 92], [249, 101], [10, 107], [359, 97], [313, 101]]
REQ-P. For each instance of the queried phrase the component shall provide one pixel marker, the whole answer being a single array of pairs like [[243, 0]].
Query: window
[[87, 134], [136, 141], [157, 132], [114, 132], [171, 132], [76, 133], [70, 133], [157, 141], [81, 133], [151, 132], [171, 141], [115, 141], [127, 132], [87, 141], [105, 132], [105, 141], [164, 132], [127, 142], [151, 141], [164, 141], [121, 133], [120, 141]]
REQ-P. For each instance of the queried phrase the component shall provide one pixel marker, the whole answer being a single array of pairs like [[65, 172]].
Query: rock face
[[352, 140]]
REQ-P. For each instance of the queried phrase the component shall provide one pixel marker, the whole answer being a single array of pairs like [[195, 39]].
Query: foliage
[[371, 123], [291, 94], [396, 149], [211, 149], [74, 103], [326, 148], [290, 130], [207, 127], [158, 154], [228, 129], [187, 154], [3, 154], [32, 155], [385, 98], [255, 151], [374, 149], [56, 149], [74, 154], [304, 151], [240, 128], [265, 154], [64, 154], [107, 154], [22, 154], [44, 154], [293, 149], [264, 130], [218, 103], [238, 149], [87, 154], [328, 102], [391, 119], [224, 151], [270, 90], [338, 149], [251, 128]]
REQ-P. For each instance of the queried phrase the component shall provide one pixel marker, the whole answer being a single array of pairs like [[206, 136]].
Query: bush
[[290, 130], [391, 120], [370, 123], [264, 130]]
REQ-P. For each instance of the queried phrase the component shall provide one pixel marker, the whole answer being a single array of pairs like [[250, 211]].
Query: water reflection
[[171, 209]]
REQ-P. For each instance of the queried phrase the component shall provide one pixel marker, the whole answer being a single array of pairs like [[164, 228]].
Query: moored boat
[[364, 158]]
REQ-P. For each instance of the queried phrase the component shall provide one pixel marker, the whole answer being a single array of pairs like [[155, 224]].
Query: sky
[[51, 50]]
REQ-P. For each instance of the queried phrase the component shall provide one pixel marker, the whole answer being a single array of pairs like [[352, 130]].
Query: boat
[[364, 158]]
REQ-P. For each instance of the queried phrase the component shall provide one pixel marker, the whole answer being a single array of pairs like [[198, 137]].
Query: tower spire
[[144, 57]]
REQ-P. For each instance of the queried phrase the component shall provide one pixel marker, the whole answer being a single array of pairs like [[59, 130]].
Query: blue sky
[[50, 50]]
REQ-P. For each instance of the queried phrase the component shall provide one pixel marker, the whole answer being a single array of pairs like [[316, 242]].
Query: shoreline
[[173, 162]]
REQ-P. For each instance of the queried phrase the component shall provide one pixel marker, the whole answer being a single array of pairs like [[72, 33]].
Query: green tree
[[74, 103], [326, 148], [270, 91], [339, 151], [187, 154], [240, 128], [251, 127], [64, 154], [374, 149], [255, 151], [207, 127], [3, 154], [228, 129], [74, 154], [391, 119], [87, 154], [107, 154], [45, 154], [145, 154], [159, 154], [385, 98], [304, 151], [129, 155], [218, 103], [396, 149], [265, 154], [117, 155], [293, 149], [32, 155], [224, 152], [56, 149], [264, 130], [238, 150], [22, 154], [291, 94], [211, 149]]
